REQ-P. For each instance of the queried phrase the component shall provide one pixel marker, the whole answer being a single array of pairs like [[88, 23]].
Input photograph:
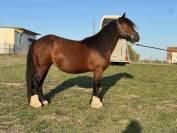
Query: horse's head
[[127, 29]]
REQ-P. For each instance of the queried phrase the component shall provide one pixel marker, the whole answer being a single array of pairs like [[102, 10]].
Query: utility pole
[[93, 26]]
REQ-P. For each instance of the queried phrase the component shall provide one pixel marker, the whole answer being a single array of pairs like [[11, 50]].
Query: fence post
[[13, 48], [9, 49]]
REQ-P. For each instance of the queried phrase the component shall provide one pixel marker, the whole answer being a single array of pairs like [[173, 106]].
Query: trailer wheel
[[118, 63]]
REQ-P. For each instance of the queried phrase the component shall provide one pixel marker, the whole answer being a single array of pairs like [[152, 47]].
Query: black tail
[[30, 70]]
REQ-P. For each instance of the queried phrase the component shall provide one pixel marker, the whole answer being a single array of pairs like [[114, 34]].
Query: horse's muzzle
[[135, 38]]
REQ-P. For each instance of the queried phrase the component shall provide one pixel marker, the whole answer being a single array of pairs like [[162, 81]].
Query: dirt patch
[[56, 117], [132, 96], [12, 84], [163, 102], [167, 107], [15, 129], [9, 125]]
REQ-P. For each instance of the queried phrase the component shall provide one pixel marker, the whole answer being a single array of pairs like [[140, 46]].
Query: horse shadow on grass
[[87, 83], [133, 127]]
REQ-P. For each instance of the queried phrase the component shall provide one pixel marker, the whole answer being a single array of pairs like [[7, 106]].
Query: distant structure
[[172, 55], [14, 40]]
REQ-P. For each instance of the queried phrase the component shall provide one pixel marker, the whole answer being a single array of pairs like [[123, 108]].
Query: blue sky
[[156, 19]]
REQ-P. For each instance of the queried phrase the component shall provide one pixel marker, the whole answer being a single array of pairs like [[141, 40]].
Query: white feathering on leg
[[34, 101], [45, 102], [96, 103]]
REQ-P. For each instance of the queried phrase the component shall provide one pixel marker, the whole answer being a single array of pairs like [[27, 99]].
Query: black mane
[[128, 21], [105, 40]]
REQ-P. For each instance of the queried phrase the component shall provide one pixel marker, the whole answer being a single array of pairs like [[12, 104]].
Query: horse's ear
[[123, 16]]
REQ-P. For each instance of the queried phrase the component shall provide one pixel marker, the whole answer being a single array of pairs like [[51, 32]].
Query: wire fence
[[171, 52], [7, 49], [155, 48], [14, 48]]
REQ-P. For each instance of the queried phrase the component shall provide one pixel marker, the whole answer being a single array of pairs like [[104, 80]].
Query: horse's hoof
[[96, 103], [45, 102], [34, 102]]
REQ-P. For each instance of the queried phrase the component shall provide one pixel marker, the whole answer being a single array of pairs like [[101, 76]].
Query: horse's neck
[[104, 41], [108, 41]]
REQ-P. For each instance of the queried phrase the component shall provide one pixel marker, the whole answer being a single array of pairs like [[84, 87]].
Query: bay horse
[[91, 54]]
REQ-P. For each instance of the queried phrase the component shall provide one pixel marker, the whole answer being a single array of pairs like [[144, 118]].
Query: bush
[[133, 55]]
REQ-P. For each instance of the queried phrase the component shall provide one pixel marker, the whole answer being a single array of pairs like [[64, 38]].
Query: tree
[[134, 56]]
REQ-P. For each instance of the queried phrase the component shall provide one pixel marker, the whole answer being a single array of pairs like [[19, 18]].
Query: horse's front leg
[[96, 100]]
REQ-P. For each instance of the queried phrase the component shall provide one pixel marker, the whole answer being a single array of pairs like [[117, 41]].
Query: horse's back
[[47, 44]]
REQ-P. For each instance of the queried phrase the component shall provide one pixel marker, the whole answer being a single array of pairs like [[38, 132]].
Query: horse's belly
[[71, 66]]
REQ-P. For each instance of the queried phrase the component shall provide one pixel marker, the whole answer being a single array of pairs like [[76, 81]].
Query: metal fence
[[7, 49], [13, 49]]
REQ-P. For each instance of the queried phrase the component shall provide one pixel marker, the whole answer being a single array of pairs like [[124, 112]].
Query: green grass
[[137, 98]]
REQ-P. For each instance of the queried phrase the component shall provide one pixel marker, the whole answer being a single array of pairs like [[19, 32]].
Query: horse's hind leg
[[41, 96], [34, 100], [37, 98]]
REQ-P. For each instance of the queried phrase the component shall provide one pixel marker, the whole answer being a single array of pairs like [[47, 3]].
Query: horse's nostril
[[137, 38]]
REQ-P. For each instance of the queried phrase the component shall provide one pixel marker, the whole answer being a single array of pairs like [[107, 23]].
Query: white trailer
[[120, 54], [174, 57]]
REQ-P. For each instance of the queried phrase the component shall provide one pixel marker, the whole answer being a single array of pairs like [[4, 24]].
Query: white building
[[15, 40]]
